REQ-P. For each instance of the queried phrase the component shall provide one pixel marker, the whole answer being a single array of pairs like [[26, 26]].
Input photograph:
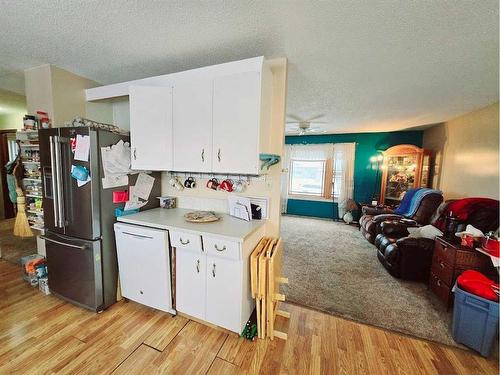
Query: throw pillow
[[427, 231]]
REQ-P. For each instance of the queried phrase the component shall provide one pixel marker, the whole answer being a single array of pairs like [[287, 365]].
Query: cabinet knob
[[213, 269], [219, 249], [438, 282], [198, 266], [184, 242], [135, 153], [218, 155], [202, 155]]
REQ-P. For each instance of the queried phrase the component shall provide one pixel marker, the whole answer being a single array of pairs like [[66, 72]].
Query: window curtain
[[300, 152], [343, 160]]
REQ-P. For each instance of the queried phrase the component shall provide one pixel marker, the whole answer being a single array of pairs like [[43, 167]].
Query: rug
[[12, 248], [331, 267]]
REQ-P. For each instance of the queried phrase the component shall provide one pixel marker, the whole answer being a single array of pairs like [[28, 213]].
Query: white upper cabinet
[[151, 127], [236, 120], [192, 124], [211, 119]]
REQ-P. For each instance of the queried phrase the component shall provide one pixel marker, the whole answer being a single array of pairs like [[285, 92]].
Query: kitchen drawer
[[440, 289], [184, 240], [442, 269], [221, 247], [444, 252]]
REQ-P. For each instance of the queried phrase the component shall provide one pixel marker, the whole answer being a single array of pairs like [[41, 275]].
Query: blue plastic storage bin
[[475, 321]]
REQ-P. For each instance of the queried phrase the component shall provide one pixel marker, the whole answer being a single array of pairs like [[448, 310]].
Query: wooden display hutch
[[405, 167]]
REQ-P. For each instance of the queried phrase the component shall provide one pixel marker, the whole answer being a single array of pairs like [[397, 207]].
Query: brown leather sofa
[[411, 258], [373, 217]]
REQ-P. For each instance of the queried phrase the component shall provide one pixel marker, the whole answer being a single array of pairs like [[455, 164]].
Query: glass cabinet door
[[401, 170]]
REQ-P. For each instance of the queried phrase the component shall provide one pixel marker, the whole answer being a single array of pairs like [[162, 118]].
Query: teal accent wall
[[365, 181]]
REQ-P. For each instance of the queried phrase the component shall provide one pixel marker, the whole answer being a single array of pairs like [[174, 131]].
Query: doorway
[[8, 152]]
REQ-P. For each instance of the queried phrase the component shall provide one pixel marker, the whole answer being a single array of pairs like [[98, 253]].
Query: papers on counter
[[240, 207]]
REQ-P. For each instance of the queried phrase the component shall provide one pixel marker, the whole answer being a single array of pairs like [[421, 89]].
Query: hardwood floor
[[44, 335], [12, 248]]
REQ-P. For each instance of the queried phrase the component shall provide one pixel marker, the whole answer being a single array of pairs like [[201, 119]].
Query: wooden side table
[[449, 260]]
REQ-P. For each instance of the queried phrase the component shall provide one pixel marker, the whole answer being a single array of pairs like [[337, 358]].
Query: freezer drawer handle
[[219, 249], [82, 247], [183, 242], [138, 235]]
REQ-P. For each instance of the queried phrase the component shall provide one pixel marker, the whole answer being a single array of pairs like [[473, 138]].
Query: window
[[307, 177], [338, 175]]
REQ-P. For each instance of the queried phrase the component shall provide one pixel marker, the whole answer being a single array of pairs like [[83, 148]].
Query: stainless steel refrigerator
[[79, 237]]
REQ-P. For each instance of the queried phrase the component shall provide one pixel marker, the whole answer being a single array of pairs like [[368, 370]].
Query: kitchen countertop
[[173, 218]]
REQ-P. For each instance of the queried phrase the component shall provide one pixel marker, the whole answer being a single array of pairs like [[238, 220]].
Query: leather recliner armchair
[[373, 217], [411, 258]]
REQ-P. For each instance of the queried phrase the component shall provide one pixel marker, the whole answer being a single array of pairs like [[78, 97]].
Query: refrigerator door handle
[[82, 247], [60, 209], [54, 181]]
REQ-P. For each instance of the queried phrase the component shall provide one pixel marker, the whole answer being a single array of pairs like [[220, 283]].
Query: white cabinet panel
[[236, 122], [190, 283], [221, 247], [144, 265], [183, 240], [151, 127], [223, 306], [192, 126]]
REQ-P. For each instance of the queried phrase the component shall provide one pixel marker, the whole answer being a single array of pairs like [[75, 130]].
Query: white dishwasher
[[144, 265]]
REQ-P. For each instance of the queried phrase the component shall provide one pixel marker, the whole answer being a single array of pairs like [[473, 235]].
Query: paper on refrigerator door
[[116, 165], [82, 147], [143, 187], [109, 182], [116, 159], [133, 203]]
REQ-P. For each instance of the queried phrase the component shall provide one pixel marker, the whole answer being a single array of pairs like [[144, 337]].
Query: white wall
[[116, 112], [466, 150]]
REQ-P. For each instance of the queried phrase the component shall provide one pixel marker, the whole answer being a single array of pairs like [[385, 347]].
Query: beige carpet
[[12, 248], [332, 268]]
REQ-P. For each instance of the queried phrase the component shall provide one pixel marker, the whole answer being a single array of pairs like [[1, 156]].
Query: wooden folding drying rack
[[266, 263]]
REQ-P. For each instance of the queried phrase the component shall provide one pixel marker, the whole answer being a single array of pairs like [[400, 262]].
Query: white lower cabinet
[[210, 286], [190, 282], [224, 293]]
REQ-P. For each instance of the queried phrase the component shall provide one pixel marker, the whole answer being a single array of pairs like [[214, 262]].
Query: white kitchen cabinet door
[[192, 126], [190, 283], [144, 265], [151, 127], [224, 293], [236, 121]]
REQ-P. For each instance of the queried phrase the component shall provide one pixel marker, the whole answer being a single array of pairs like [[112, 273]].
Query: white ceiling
[[366, 65]]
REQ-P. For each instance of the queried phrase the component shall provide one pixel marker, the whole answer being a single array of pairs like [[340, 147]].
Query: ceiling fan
[[299, 126]]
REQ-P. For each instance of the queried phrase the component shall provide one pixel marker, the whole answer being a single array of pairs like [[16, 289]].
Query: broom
[[21, 225]]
